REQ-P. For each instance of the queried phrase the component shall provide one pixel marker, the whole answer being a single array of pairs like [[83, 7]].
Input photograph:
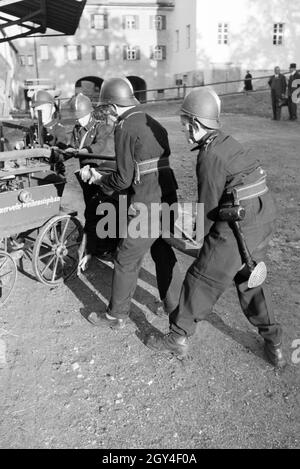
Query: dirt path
[[65, 383]]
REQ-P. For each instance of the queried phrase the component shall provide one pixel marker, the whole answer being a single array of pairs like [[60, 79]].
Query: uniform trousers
[[127, 264], [275, 105]]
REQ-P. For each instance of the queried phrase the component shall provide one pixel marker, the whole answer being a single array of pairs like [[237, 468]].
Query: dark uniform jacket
[[291, 85], [96, 136], [53, 134], [139, 137], [222, 164], [278, 84]]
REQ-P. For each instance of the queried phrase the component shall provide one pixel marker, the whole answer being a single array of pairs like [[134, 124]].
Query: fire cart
[[33, 224]]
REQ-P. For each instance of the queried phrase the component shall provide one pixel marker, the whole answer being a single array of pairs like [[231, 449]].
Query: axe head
[[258, 275]]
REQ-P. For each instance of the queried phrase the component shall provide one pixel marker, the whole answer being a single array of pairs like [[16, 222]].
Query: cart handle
[[78, 154]]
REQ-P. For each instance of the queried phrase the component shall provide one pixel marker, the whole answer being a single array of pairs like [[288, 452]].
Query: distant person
[[248, 82], [277, 83], [292, 86]]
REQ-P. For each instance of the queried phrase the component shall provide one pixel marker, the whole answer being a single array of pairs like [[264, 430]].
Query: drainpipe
[[36, 59]]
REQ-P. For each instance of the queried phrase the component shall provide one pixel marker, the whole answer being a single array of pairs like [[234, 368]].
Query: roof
[[61, 16]]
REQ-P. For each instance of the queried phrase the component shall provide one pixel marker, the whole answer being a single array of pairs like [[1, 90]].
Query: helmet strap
[[47, 112], [84, 120], [197, 131], [121, 109]]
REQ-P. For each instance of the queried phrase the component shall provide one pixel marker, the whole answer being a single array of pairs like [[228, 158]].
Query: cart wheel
[[55, 253], [8, 276]]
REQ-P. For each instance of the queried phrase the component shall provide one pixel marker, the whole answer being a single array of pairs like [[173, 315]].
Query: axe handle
[[245, 253]]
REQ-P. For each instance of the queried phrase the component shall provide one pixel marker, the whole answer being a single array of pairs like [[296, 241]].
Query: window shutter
[[66, 52], [106, 53], [78, 52], [92, 21], [164, 52], [138, 53], [93, 52], [136, 20], [125, 52], [164, 22], [152, 53], [123, 21], [105, 21], [151, 21]]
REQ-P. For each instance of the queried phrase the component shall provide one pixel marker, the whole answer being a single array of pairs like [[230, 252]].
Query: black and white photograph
[[149, 227]]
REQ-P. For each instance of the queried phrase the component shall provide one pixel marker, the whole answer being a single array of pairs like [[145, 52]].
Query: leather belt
[[250, 191], [149, 166], [247, 191]]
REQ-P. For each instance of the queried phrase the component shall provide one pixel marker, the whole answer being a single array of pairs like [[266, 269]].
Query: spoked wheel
[[55, 253], [8, 276]]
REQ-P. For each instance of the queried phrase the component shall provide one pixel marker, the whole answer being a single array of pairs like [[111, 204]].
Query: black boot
[[171, 343], [275, 354]]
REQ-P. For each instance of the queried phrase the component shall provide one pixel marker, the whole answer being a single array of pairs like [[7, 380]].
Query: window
[[278, 34], [99, 21], [188, 36], [177, 40], [223, 33], [131, 53], [100, 53], [30, 60], [73, 52], [22, 59], [44, 52], [158, 22], [158, 53], [130, 22]]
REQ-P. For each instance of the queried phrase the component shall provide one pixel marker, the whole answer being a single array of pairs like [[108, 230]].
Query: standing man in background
[[248, 82], [277, 84], [292, 86]]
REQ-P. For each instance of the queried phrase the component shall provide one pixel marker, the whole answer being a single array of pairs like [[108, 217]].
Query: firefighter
[[140, 141], [293, 84], [223, 168], [53, 132], [90, 137]]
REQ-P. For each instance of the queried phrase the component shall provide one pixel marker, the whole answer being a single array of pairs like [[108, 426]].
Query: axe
[[258, 272]]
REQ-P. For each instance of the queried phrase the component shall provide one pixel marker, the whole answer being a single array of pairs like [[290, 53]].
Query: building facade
[[220, 40], [160, 44], [125, 37]]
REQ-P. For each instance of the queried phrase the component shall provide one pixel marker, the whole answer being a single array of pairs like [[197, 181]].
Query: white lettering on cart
[[32, 203]]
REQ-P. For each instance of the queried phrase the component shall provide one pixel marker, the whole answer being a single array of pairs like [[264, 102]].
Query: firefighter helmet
[[203, 105], [118, 91], [41, 97], [82, 105]]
